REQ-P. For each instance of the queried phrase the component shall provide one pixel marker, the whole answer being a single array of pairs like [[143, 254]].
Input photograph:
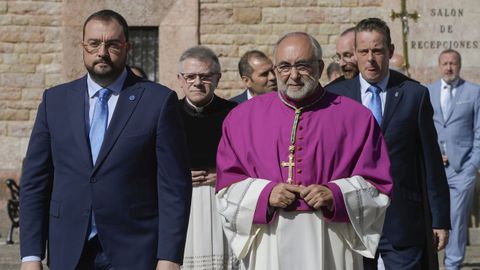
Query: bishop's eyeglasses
[[304, 68], [94, 45]]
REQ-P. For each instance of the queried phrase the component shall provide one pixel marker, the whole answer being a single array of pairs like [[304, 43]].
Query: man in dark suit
[[256, 71], [333, 71], [106, 179], [402, 108]]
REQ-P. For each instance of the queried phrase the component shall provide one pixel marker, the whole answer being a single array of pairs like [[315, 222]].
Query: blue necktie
[[99, 122], [97, 132], [375, 104]]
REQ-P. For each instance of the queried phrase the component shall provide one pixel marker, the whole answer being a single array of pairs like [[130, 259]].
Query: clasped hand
[[315, 196], [204, 177]]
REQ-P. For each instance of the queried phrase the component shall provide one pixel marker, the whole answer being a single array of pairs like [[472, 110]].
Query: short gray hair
[[203, 54], [317, 48]]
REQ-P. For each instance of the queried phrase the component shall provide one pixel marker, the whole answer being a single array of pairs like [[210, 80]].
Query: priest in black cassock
[[203, 113]]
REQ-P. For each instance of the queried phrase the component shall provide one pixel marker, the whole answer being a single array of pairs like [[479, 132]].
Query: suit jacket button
[[93, 180]]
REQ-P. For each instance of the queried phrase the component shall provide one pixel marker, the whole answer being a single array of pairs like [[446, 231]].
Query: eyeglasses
[[93, 46], [204, 77], [348, 58], [303, 68]]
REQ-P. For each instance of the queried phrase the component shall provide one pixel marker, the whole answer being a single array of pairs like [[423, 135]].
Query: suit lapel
[[435, 93], [354, 91], [127, 101], [394, 95], [76, 99]]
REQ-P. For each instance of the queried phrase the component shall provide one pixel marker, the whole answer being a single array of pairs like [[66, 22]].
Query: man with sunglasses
[[95, 182], [303, 179], [203, 113]]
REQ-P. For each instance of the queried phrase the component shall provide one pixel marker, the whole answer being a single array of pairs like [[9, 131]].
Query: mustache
[[304, 79], [104, 60], [347, 67]]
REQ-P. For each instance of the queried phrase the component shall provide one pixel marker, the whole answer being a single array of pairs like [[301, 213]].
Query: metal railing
[[13, 208]]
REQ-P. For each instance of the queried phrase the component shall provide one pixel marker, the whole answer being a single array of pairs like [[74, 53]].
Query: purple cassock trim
[[261, 212], [339, 212]]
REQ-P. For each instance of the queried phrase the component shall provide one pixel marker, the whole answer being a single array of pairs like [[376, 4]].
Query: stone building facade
[[39, 46]]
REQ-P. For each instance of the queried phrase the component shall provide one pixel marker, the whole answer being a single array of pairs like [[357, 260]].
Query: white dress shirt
[[444, 93]]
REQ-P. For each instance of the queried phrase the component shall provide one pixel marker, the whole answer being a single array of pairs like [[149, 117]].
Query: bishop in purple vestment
[[336, 138], [298, 142]]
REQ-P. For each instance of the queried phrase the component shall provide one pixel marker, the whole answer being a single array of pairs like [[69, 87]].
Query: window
[[144, 51]]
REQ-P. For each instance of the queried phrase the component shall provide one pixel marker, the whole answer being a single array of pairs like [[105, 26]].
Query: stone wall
[[441, 24], [30, 60], [233, 27]]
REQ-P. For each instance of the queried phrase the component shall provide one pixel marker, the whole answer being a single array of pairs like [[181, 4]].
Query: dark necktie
[[375, 104]]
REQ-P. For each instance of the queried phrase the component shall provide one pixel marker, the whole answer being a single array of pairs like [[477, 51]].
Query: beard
[[349, 71], [450, 78], [104, 70], [309, 87]]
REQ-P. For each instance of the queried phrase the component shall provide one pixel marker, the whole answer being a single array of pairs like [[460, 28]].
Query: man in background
[[345, 55], [203, 113], [456, 103], [138, 71], [397, 63], [333, 71], [256, 71]]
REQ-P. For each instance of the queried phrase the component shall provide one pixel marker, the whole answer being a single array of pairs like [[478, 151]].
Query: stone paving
[[9, 257], [472, 259]]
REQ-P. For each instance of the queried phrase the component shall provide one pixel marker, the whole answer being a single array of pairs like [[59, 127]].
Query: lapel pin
[[396, 94], [131, 98]]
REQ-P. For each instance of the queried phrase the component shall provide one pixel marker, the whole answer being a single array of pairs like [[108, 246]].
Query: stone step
[[9, 266], [10, 258]]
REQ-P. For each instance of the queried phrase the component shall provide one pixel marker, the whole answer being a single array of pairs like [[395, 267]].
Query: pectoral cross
[[404, 16], [290, 164]]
